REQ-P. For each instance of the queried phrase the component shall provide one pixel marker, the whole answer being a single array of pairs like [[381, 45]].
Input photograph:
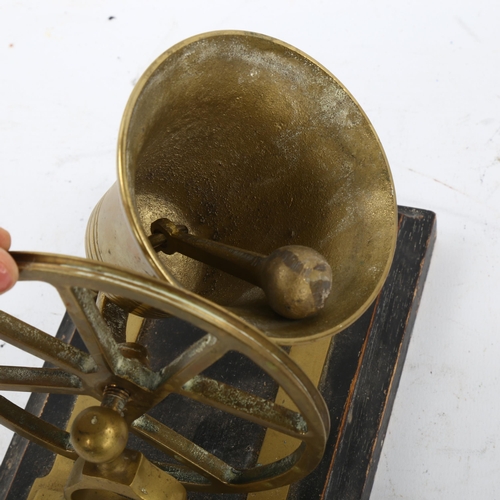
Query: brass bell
[[239, 159], [246, 140]]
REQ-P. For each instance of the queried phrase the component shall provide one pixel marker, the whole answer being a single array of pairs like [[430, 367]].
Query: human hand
[[8, 268]]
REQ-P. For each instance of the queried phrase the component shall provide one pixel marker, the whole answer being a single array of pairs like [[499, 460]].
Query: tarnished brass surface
[[134, 478], [311, 358], [105, 366], [246, 140], [296, 279]]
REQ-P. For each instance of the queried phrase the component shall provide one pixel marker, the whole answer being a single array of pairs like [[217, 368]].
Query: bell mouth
[[248, 141]]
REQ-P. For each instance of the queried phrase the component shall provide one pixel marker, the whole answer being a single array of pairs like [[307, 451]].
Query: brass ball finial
[[99, 434]]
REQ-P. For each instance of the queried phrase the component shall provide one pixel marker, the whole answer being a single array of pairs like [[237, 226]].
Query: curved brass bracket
[[131, 476]]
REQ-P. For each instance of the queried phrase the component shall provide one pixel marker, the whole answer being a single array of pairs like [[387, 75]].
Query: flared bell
[[247, 141]]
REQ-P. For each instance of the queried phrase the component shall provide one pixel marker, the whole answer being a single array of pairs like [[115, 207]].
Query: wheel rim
[[80, 373]]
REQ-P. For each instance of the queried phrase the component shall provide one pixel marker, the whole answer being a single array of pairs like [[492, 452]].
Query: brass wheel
[[106, 366]]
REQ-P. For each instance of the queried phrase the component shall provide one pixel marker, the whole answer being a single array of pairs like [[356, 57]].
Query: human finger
[[8, 271], [4, 239]]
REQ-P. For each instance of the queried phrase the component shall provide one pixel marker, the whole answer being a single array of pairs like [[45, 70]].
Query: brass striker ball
[[297, 281], [99, 434]]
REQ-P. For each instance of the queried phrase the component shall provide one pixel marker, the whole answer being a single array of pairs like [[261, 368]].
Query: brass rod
[[296, 279]]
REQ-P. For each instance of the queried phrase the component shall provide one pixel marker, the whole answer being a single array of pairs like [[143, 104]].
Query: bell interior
[[247, 141]]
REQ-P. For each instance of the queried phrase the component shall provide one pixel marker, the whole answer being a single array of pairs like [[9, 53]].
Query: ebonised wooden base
[[359, 384]]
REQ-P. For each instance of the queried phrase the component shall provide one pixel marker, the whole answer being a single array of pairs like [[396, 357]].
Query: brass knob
[[296, 279], [99, 434]]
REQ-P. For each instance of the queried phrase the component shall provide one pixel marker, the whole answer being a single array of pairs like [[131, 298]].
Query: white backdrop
[[427, 73]]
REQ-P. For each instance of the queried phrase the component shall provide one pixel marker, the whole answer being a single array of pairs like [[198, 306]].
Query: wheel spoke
[[94, 331], [282, 467], [49, 380], [186, 475], [44, 346], [191, 362], [35, 429], [183, 450], [245, 405]]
